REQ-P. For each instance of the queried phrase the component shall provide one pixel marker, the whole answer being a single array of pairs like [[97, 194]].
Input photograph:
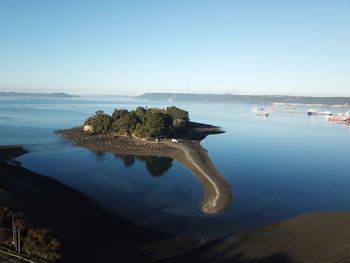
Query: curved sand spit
[[218, 193]]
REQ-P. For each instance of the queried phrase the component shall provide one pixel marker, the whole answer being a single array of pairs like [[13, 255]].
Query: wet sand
[[312, 238], [188, 152]]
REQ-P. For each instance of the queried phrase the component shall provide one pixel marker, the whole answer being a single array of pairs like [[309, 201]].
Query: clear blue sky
[[216, 46]]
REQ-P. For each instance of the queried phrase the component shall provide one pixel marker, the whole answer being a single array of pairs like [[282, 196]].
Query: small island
[[158, 132], [146, 131]]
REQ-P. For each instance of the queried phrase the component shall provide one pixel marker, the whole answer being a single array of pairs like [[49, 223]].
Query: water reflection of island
[[218, 193], [156, 165]]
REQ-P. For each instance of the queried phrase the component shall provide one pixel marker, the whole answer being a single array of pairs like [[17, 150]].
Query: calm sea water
[[278, 167]]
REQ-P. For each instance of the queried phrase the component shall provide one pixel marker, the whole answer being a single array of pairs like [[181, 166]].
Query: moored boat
[[256, 109], [263, 114], [328, 113], [316, 112], [312, 112], [340, 117]]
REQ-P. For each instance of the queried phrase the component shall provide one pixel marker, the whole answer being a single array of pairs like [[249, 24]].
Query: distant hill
[[256, 99], [44, 95]]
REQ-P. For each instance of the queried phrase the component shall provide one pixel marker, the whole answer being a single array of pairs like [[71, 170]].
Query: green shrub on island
[[100, 122], [141, 123]]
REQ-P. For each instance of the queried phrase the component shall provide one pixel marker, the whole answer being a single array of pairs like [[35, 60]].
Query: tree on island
[[142, 122], [100, 122]]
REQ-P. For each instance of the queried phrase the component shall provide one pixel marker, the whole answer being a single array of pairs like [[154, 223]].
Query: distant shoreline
[[248, 99], [37, 95]]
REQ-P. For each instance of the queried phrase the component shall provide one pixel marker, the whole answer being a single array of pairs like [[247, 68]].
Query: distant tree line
[[16, 232], [256, 99], [142, 122]]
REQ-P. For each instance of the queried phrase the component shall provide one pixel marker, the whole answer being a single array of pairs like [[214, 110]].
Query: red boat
[[339, 119], [344, 118]]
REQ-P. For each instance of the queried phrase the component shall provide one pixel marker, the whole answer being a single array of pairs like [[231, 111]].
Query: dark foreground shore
[[312, 238], [91, 234]]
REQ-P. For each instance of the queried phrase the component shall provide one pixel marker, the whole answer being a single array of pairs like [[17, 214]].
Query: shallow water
[[277, 167]]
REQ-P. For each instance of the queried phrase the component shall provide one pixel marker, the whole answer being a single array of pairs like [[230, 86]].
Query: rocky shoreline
[[113, 143], [131, 145]]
